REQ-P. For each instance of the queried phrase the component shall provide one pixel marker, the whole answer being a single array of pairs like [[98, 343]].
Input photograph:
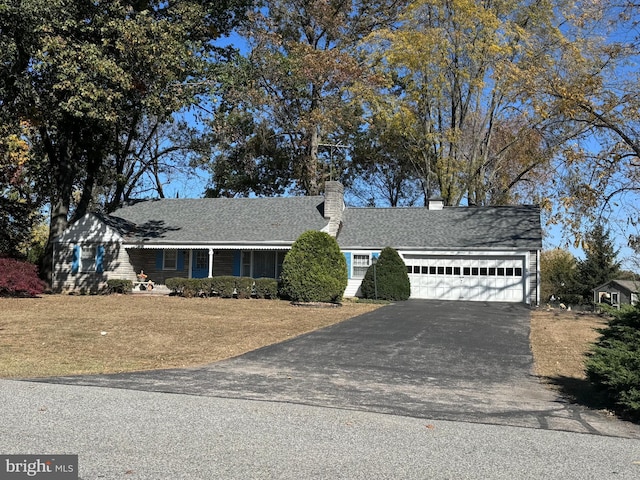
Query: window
[[456, 270], [518, 272], [615, 300], [509, 272], [474, 271], [425, 270], [483, 271], [202, 260], [170, 260], [449, 270], [416, 269], [492, 271], [466, 271], [500, 271], [432, 270], [440, 270], [261, 264], [360, 265], [88, 258], [264, 264]]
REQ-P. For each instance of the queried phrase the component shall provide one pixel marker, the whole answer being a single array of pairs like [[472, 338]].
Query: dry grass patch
[[560, 340], [62, 335]]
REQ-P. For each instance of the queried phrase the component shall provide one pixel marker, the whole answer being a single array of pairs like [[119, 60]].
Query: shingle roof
[[281, 220], [630, 285], [452, 228], [220, 220]]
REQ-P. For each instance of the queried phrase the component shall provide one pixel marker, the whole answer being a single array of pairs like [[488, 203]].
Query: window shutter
[[159, 259], [75, 262], [99, 258], [180, 260], [347, 256]]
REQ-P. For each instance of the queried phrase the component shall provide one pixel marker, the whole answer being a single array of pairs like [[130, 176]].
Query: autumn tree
[[291, 103], [85, 74], [19, 200], [468, 131], [558, 272], [588, 83]]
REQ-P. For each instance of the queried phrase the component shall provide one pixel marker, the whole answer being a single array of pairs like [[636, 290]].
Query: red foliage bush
[[19, 279]]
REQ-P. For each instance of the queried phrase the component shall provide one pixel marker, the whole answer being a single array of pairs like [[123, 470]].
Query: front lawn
[[63, 334]]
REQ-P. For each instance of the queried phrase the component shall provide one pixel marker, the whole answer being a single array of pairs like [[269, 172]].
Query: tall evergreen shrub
[[314, 270], [388, 279], [614, 364]]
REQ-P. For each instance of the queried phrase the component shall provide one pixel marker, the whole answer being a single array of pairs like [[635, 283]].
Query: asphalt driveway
[[462, 361]]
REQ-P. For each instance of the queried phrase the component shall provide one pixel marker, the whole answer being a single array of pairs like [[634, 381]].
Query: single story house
[[617, 293], [453, 253]]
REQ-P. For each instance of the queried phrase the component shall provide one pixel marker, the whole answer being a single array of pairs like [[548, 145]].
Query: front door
[[199, 264]]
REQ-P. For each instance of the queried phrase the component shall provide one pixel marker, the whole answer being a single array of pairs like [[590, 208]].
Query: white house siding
[[115, 265], [89, 233]]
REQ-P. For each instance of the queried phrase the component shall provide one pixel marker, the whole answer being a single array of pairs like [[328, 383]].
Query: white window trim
[[88, 264], [354, 266]]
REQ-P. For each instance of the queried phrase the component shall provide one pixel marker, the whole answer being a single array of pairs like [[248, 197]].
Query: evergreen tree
[[600, 264], [388, 279], [314, 270]]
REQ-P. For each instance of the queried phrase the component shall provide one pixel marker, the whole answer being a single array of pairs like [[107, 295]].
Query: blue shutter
[[99, 258], [347, 256], [159, 259], [180, 260], [236, 263], [75, 262]]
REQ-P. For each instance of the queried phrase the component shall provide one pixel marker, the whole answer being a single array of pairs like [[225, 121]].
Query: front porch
[[159, 264]]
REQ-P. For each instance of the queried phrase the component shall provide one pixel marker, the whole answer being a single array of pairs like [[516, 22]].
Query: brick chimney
[[333, 206]]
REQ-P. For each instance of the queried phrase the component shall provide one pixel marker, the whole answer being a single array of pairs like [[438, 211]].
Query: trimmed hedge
[[224, 286], [388, 279], [266, 288], [314, 270], [19, 279], [116, 285], [613, 365]]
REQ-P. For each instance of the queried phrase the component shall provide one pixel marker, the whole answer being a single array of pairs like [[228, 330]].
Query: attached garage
[[488, 254]]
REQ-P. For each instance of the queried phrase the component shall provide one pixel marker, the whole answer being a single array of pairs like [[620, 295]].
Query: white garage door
[[490, 279]]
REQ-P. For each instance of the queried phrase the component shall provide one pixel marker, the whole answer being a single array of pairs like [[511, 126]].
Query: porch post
[[210, 262]]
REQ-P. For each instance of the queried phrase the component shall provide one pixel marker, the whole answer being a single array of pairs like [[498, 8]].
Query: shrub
[[119, 285], [314, 270], [19, 279], [244, 287], [388, 279], [613, 365], [206, 287], [175, 284], [192, 287], [224, 285], [266, 288]]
